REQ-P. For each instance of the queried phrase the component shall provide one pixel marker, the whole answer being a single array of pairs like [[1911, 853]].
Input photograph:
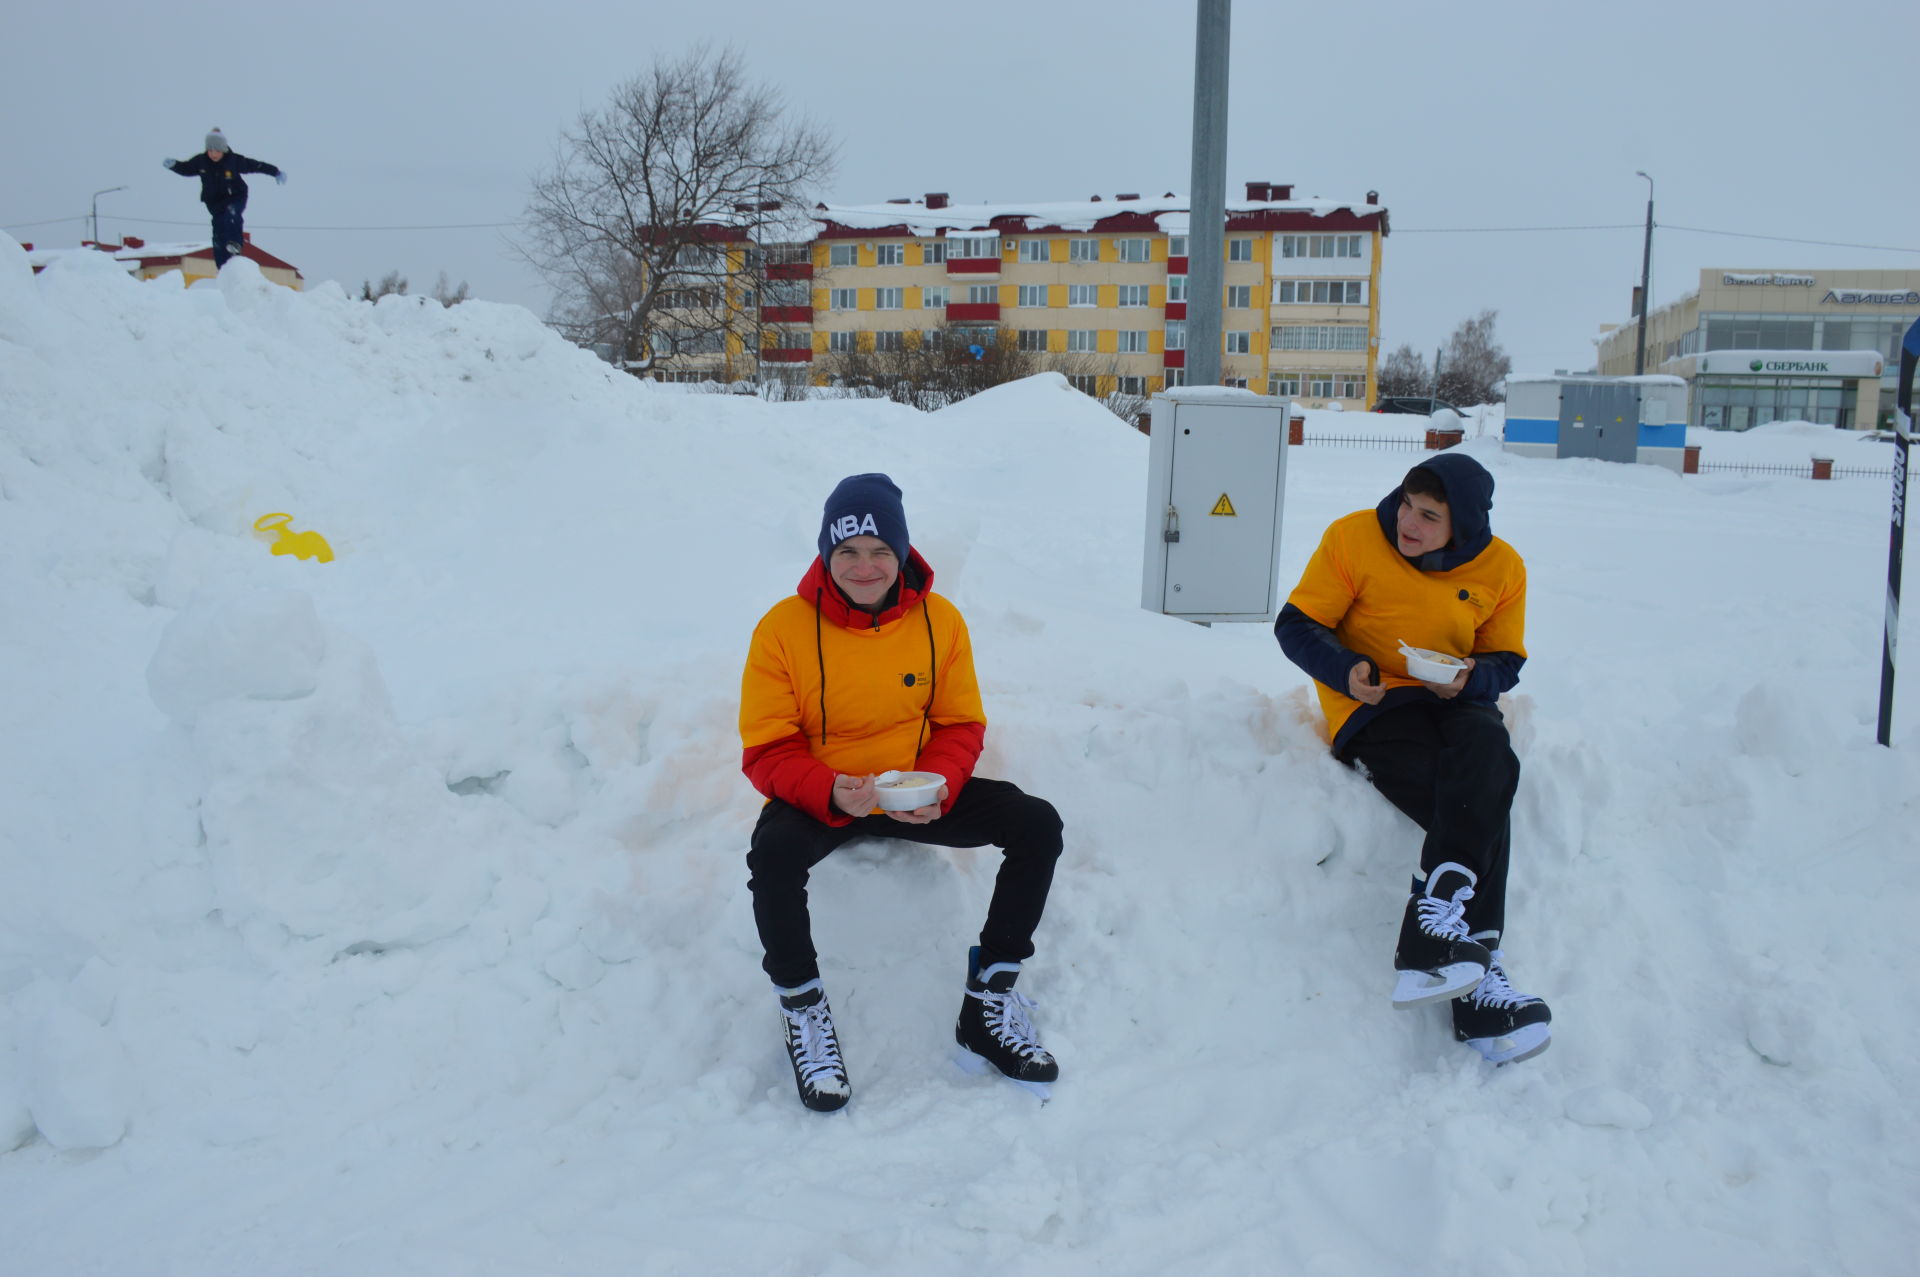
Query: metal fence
[[1375, 442], [1745, 469]]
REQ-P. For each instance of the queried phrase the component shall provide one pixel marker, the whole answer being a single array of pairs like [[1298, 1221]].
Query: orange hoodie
[[829, 689]]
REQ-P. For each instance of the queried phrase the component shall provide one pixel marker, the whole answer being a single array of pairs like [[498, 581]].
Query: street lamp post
[[96, 209], [1646, 269]]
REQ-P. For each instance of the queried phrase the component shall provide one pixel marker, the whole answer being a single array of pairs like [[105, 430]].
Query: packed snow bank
[[389, 914]]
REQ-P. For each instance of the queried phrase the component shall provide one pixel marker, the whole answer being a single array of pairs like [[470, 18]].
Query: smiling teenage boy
[[862, 670], [1424, 568]]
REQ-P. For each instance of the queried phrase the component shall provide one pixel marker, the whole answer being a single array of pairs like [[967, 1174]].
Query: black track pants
[[1449, 766], [788, 843]]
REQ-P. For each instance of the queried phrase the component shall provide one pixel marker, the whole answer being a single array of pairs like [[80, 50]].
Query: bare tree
[[1472, 363], [1404, 372], [649, 223], [933, 367], [447, 295], [393, 283]]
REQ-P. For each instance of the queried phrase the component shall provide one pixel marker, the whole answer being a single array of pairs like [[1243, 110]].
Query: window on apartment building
[[933, 339], [1083, 250], [1336, 292], [1033, 295], [1320, 385], [1176, 377], [1083, 294], [842, 343], [1133, 341], [689, 298], [932, 298], [786, 292], [1034, 250], [788, 254], [933, 250], [1239, 296], [970, 246], [1176, 334], [1239, 343], [889, 298], [1176, 246], [1085, 383], [1082, 340], [1234, 383], [842, 299], [889, 254], [889, 342], [1239, 250], [982, 294], [1320, 337], [698, 257], [843, 255], [1351, 385], [1284, 384], [1176, 288], [1133, 294], [1321, 245], [1130, 385], [1132, 250], [1033, 339], [787, 339]]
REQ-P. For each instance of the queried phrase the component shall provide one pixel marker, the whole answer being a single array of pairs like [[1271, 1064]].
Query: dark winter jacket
[[223, 183], [1360, 596]]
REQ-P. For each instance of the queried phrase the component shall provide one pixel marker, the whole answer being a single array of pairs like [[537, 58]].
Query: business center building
[[1759, 345]]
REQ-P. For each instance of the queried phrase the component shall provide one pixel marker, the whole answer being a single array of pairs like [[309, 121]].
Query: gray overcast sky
[[1758, 117]]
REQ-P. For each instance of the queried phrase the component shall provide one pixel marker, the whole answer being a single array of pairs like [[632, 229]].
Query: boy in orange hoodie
[[863, 670]]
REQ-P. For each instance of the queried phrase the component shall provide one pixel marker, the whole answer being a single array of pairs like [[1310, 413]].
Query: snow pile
[[389, 914]]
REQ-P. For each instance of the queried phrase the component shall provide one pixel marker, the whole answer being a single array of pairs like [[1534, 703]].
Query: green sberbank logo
[[1756, 365]]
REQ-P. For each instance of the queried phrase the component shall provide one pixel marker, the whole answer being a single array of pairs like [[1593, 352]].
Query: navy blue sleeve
[[242, 164], [1312, 647], [1493, 673], [192, 166]]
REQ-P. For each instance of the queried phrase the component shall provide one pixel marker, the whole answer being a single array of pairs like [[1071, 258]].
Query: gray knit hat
[[216, 140]]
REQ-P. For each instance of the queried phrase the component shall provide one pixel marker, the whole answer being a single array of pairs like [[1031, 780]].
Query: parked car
[[1417, 405]]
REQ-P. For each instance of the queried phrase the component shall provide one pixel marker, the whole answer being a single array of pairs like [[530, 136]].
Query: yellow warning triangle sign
[[1223, 506]]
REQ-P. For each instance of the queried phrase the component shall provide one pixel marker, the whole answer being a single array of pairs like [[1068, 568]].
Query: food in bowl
[[1430, 666], [906, 791]]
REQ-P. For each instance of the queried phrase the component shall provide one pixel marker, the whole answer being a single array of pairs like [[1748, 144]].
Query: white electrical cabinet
[[1217, 474]]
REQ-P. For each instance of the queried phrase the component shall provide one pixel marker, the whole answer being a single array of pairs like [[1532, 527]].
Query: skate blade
[[980, 1066], [1522, 1044], [1417, 988]]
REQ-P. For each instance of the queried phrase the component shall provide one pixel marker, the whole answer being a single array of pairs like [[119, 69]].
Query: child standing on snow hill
[[1424, 568], [223, 189], [864, 670]]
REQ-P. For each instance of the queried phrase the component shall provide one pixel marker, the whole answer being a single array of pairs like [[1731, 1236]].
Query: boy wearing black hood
[[1424, 568]]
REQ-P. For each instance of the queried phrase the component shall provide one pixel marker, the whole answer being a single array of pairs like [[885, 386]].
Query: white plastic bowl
[[906, 791], [1430, 666]]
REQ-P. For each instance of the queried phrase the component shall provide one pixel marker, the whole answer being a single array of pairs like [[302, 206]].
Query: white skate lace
[[1446, 917], [1494, 991], [817, 1055], [1007, 1019]]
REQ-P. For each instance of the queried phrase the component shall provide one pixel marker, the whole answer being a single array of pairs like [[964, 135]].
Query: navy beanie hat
[[864, 504]]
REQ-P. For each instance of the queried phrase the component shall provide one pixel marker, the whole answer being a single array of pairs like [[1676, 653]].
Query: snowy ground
[[388, 915]]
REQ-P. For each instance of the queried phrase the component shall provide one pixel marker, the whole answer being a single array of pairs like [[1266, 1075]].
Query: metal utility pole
[[96, 209], [1207, 205], [1646, 268]]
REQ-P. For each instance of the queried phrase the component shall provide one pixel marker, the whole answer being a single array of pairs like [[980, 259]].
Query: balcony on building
[[786, 314], [781, 355], [790, 270], [973, 265], [989, 311], [1176, 359]]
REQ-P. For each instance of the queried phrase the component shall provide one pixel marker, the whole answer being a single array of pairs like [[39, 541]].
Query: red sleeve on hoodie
[[953, 751], [784, 769]]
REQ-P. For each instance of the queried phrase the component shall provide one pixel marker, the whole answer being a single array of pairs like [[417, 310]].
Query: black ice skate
[[1435, 957], [995, 1030], [814, 1048], [1499, 1023]]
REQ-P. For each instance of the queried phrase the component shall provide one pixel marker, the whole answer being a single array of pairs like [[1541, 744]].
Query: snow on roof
[[1170, 213]]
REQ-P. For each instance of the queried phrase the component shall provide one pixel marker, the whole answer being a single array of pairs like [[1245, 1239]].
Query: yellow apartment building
[[1099, 286]]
